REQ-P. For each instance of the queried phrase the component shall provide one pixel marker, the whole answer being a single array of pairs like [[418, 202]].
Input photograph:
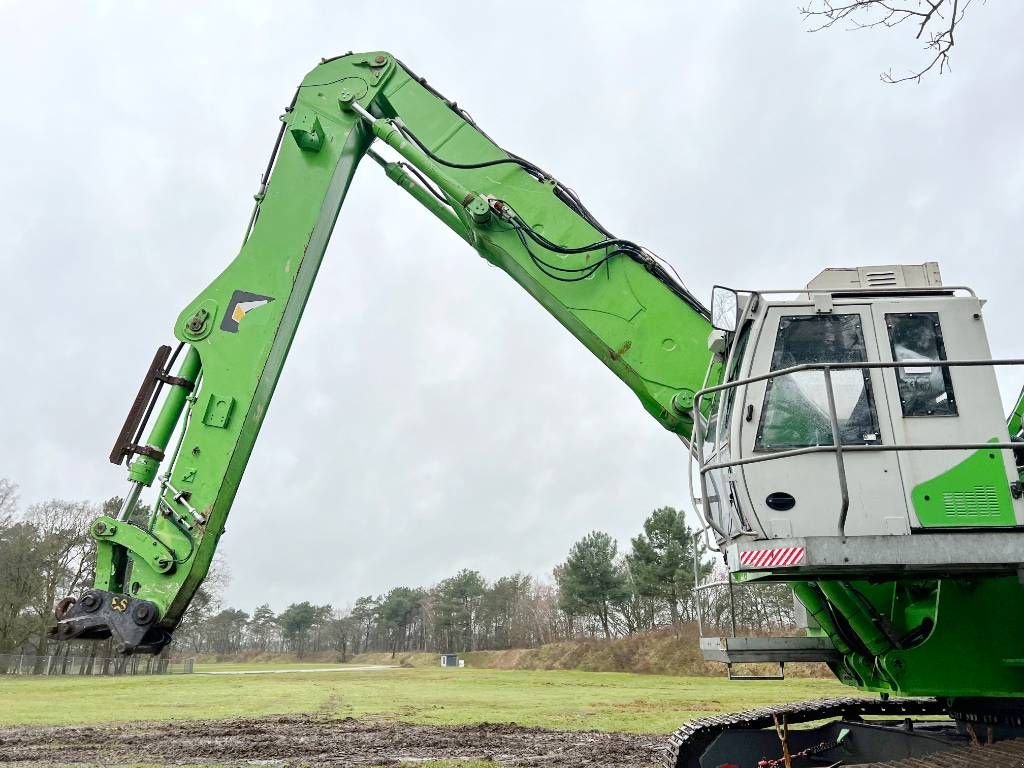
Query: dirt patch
[[311, 740]]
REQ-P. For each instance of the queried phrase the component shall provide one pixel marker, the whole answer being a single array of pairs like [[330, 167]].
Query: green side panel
[[976, 492]]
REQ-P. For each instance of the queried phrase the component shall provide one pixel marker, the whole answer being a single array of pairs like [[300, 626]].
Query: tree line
[[598, 591]]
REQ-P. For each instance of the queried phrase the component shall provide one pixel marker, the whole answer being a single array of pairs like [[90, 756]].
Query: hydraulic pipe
[[850, 605], [816, 606]]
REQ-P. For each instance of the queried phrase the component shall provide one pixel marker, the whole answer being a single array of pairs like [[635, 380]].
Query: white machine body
[[889, 314]]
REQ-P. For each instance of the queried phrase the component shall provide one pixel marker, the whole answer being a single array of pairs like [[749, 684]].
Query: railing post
[[698, 440], [696, 584], [732, 607], [837, 445]]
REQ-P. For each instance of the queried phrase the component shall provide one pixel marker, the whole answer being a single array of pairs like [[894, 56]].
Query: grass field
[[604, 701]]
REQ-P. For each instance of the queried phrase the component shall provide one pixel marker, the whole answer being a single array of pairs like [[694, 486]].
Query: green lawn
[[258, 666], [564, 700]]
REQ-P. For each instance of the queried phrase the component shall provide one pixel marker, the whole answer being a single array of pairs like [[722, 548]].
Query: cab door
[[800, 495], [932, 405]]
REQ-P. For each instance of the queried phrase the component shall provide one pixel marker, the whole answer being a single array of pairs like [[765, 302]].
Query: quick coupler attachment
[[97, 615]]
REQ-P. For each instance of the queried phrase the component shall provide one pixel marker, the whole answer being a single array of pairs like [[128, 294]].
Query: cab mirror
[[724, 309]]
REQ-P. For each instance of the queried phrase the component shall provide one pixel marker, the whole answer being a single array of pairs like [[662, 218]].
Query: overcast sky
[[431, 416]]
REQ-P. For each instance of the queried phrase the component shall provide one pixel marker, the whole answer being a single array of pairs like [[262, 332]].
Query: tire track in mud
[[311, 740]]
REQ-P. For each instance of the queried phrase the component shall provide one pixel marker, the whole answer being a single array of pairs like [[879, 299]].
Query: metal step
[[774, 650]]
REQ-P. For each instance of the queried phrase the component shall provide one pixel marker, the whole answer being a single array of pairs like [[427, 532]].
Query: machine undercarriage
[[870, 733]]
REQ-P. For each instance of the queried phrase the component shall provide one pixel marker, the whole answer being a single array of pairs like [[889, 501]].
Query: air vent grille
[[981, 501], [885, 279]]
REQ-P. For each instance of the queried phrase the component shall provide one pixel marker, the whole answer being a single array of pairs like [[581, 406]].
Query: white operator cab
[[923, 448]]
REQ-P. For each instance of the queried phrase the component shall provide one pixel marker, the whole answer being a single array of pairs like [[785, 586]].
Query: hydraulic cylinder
[[143, 469]]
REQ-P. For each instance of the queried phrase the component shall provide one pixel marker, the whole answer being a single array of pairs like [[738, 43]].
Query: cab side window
[[734, 373], [925, 390], [796, 412]]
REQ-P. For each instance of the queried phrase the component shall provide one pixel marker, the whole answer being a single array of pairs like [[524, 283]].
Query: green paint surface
[[960, 637], [1015, 423], [976, 492]]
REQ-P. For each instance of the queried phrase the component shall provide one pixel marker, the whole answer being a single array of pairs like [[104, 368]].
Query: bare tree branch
[[935, 21], [8, 499]]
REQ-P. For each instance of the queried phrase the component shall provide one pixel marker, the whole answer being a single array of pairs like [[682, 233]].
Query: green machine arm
[[613, 295], [1016, 421]]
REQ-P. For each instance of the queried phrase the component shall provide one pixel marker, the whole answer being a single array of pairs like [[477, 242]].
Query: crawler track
[[688, 743]]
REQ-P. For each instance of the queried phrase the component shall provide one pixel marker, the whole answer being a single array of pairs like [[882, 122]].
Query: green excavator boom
[[1016, 420], [619, 299]]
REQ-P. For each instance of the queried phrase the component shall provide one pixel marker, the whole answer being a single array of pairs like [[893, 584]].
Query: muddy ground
[[298, 740]]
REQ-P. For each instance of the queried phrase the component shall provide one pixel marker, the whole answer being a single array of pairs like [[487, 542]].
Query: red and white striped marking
[[781, 557]]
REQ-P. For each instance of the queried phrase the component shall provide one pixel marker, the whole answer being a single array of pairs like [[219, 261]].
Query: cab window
[[795, 412], [925, 390]]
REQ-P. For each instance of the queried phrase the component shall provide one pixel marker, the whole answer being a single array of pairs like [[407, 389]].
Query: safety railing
[[836, 446], [57, 664], [720, 586]]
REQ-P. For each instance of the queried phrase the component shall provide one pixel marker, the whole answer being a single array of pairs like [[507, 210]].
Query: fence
[[27, 664]]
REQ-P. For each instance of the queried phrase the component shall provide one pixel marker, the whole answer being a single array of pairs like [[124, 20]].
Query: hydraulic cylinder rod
[[424, 196]]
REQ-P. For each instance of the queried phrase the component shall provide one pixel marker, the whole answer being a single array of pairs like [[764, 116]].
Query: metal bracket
[[780, 676], [177, 381], [822, 303], [307, 132], [143, 544], [124, 445]]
